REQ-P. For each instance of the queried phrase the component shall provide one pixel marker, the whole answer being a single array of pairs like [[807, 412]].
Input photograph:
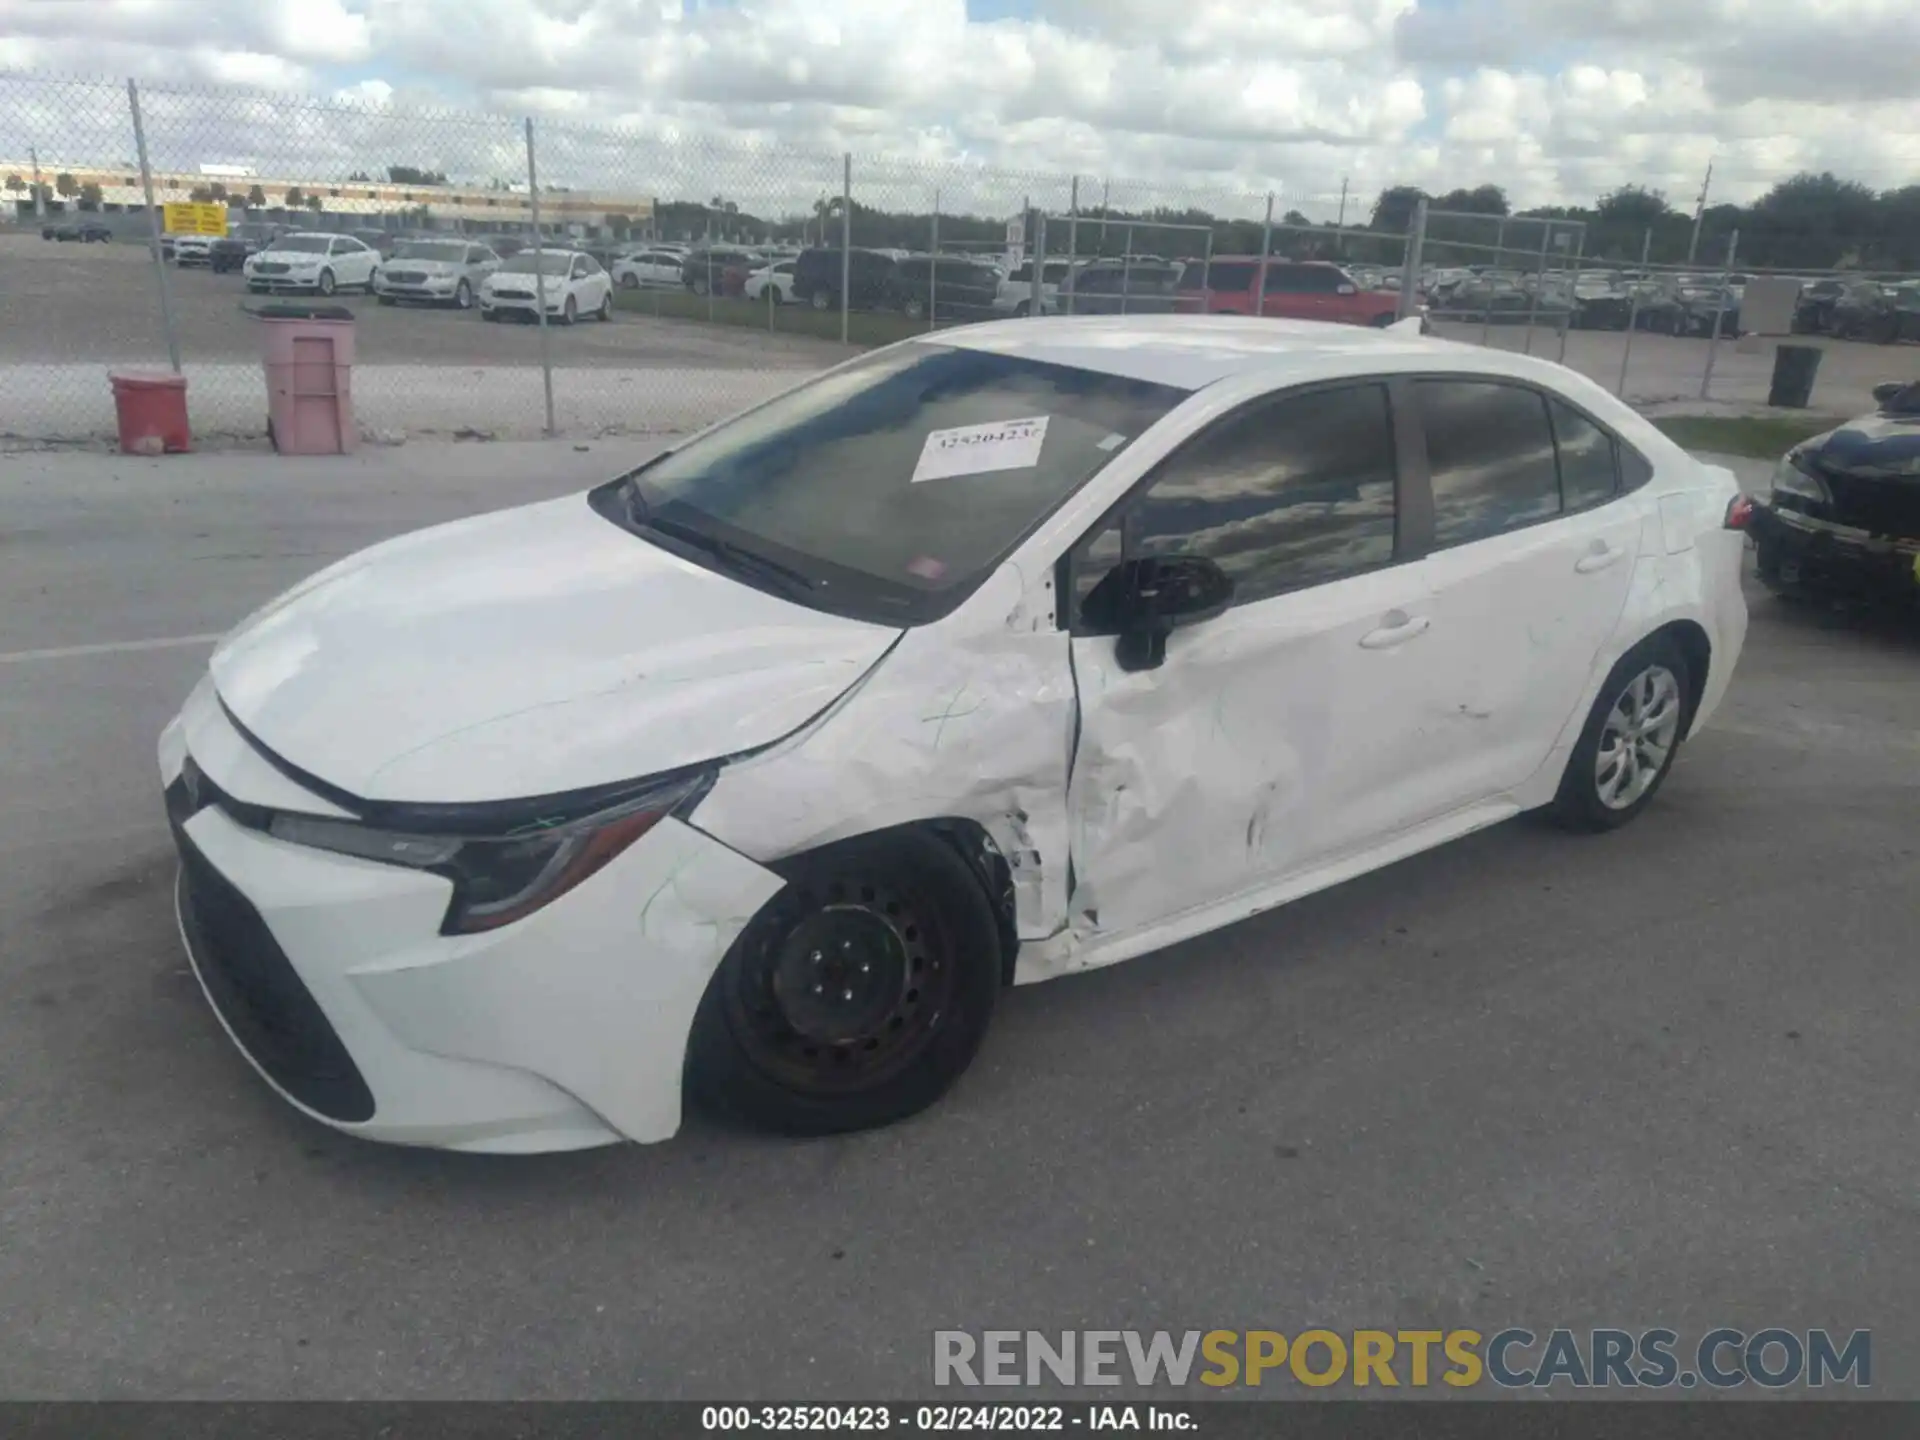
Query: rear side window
[[1589, 475], [1233, 275], [1283, 496], [1490, 451]]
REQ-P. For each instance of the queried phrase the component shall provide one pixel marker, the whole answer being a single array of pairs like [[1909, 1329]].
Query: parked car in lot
[[86, 232], [312, 260], [644, 790], [1601, 301], [776, 277], [652, 269], [718, 270], [1014, 294], [1877, 312], [816, 279], [192, 250], [947, 287], [1294, 290], [435, 272], [505, 246], [573, 282], [381, 242], [1843, 512], [231, 251], [1813, 311], [1127, 286]]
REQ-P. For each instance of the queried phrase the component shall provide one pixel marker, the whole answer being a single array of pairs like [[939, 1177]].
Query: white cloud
[[1181, 101]]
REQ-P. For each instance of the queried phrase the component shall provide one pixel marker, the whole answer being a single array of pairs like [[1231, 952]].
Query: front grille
[[256, 989], [501, 294], [270, 267], [1881, 507], [406, 277]]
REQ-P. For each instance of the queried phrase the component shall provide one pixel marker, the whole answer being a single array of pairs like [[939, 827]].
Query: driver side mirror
[[1887, 389], [1346, 290], [1145, 600]]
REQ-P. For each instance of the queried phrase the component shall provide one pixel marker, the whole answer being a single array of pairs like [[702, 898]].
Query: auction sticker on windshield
[[979, 449]]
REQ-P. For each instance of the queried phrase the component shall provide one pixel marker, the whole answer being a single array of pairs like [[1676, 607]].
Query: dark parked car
[[719, 270], [88, 232], [505, 246], [231, 251], [1880, 313], [1813, 311], [816, 279], [1844, 511], [955, 287], [381, 240], [1601, 301]]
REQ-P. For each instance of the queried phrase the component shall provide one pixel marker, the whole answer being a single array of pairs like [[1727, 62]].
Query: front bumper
[[440, 291], [1839, 559], [564, 1030], [556, 304], [286, 282]]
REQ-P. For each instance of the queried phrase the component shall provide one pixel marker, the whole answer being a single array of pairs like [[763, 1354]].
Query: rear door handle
[[1396, 628], [1600, 557]]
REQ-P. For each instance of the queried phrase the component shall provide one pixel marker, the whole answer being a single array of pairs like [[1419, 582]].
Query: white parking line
[[112, 647]]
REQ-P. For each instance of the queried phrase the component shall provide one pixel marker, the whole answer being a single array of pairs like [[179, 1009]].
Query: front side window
[[1491, 456], [1232, 275], [1285, 495], [888, 490]]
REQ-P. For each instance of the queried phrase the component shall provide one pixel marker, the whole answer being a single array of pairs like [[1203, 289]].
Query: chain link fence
[[513, 278]]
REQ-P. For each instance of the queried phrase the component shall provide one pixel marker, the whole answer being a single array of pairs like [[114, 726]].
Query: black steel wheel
[[856, 995]]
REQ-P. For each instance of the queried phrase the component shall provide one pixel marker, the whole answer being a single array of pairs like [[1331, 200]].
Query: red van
[[1295, 290]]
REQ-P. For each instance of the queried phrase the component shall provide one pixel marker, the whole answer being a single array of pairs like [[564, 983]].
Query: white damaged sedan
[[985, 658]]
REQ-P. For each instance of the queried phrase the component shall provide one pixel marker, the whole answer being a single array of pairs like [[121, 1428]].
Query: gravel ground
[[1665, 1076]]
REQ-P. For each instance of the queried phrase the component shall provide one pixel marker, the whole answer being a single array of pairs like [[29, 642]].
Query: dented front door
[[1283, 733]]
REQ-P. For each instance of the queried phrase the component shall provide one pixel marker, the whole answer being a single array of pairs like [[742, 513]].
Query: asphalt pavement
[[1661, 1077]]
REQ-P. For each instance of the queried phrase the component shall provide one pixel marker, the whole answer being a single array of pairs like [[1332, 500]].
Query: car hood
[[529, 652], [290, 257], [1873, 446], [435, 268]]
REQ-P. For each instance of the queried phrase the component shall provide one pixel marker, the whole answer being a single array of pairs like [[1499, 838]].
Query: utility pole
[[1700, 213], [39, 205], [1341, 223]]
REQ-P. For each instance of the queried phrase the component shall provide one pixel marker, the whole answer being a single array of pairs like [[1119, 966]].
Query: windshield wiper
[[734, 557]]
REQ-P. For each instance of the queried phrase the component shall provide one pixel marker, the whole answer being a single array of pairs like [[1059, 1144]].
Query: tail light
[[1739, 512]]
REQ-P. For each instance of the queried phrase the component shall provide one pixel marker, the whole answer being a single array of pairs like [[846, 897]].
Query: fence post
[[540, 280], [1037, 291], [1486, 308], [1126, 269], [1633, 314], [1266, 249], [1719, 313], [1411, 261], [933, 263], [1573, 292], [153, 227], [1073, 238], [846, 239], [1539, 280]]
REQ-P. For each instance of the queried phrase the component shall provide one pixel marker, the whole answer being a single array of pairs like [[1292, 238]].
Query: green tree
[[1812, 222], [90, 196], [66, 185], [1393, 211], [316, 204], [1631, 207], [201, 194], [1480, 200], [16, 184], [256, 198], [216, 191], [295, 197], [410, 175]]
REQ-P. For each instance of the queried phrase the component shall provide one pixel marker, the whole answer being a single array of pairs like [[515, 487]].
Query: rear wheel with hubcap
[[463, 296], [1630, 739], [326, 285], [856, 995]]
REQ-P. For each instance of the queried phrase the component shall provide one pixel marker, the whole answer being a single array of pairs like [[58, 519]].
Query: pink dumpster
[[308, 352]]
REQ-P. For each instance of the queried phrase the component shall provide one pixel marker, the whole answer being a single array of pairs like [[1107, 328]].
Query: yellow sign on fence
[[194, 219]]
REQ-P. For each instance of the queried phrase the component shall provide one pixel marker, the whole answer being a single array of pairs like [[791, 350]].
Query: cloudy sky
[[1555, 99]]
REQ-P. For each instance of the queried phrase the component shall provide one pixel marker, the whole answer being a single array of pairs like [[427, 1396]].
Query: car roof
[[1189, 352]]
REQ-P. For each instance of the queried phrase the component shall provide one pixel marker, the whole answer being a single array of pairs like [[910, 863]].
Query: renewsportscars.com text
[[1514, 1358]]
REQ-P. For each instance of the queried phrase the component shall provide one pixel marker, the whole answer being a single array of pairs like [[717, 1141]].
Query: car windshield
[[889, 489], [527, 262], [430, 250], [305, 244]]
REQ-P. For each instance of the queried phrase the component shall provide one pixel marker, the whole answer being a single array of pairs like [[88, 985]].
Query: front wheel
[[820, 300], [384, 299], [326, 285], [700, 286], [915, 308], [1630, 739], [858, 993], [569, 312], [605, 312], [463, 296]]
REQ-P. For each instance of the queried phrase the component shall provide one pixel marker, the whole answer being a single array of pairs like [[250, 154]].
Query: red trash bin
[[151, 406]]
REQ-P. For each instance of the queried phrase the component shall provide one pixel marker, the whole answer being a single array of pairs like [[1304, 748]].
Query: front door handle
[[1600, 557], [1396, 628]]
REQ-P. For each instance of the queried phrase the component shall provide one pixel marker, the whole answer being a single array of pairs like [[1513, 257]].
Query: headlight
[[1795, 476], [498, 879]]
